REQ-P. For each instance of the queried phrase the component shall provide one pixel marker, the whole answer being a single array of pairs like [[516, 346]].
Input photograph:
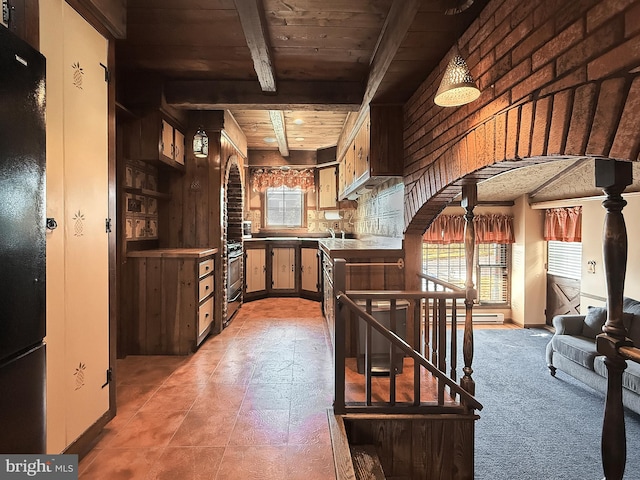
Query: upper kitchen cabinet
[[155, 137], [327, 188], [374, 154]]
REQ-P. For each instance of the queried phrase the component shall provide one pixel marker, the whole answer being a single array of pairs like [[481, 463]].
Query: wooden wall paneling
[[386, 140], [184, 332], [151, 342], [140, 306]]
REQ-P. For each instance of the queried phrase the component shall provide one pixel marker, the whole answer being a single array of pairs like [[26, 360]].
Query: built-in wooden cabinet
[[156, 137], [375, 153], [255, 270], [283, 268], [327, 188], [170, 305], [309, 271]]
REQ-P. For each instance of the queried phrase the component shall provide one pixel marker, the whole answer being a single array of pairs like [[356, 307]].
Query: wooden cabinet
[[171, 302], [283, 268], [255, 270], [156, 138], [374, 155], [310, 281], [327, 188]]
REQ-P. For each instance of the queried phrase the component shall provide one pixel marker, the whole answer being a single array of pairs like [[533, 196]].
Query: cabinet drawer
[[206, 267], [205, 316], [205, 287]]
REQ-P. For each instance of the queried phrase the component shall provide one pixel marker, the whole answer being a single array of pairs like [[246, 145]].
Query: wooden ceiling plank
[[397, 24], [246, 95], [253, 25], [277, 120]]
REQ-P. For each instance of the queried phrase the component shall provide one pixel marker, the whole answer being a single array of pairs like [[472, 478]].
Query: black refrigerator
[[22, 247]]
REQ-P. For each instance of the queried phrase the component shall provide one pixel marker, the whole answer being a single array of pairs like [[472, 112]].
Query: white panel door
[[310, 269], [283, 268], [256, 279], [86, 208]]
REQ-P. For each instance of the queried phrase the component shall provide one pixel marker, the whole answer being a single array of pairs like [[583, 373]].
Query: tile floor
[[251, 403]]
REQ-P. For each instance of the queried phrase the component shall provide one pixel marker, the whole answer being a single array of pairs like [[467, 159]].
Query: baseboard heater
[[480, 318]]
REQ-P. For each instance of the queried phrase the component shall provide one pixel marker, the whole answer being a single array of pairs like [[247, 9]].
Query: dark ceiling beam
[[246, 95], [395, 28], [277, 120], [253, 25]]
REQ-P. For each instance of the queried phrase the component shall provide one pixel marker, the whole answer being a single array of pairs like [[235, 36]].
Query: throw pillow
[[593, 322]]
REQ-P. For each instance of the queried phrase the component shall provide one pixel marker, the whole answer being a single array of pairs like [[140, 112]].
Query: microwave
[[246, 229]]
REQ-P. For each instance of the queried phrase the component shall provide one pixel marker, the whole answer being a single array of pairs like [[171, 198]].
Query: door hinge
[[109, 377], [107, 73], [107, 225]]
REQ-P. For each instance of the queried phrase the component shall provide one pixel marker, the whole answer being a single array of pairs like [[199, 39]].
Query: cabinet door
[[310, 270], [255, 270], [178, 141], [166, 144], [283, 269], [327, 191]]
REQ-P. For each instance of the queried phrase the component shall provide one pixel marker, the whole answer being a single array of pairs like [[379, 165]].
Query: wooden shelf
[[148, 193]]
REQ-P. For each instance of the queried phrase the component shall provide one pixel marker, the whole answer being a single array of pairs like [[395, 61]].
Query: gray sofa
[[572, 349]]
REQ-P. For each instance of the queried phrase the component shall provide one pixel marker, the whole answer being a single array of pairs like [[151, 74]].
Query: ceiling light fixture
[[298, 121], [457, 86], [269, 139], [200, 143]]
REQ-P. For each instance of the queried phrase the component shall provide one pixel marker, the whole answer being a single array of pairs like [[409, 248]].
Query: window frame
[[477, 268], [303, 212]]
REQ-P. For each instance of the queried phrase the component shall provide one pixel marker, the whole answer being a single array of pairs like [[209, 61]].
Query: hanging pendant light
[[200, 144], [457, 86]]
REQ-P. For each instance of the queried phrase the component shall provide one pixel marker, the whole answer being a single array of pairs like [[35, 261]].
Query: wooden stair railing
[[346, 306]]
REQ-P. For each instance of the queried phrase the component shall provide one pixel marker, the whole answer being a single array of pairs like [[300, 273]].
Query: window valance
[[492, 228], [262, 179], [563, 224]]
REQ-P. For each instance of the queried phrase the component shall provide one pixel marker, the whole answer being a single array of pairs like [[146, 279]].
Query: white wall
[[593, 285], [528, 275]]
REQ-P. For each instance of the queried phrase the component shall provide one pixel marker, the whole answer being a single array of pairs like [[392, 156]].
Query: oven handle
[[235, 298]]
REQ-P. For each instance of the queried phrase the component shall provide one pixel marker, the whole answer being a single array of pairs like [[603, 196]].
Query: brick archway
[[558, 80], [595, 119]]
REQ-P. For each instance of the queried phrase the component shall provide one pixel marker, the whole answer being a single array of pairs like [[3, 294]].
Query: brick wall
[[558, 79]]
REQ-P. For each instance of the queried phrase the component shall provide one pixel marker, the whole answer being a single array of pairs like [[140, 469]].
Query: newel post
[[340, 329], [613, 177], [469, 201]]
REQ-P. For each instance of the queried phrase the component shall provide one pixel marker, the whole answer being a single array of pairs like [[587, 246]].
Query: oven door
[[234, 285]]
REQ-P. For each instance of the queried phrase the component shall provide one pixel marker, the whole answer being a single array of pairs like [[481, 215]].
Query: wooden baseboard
[[85, 442]]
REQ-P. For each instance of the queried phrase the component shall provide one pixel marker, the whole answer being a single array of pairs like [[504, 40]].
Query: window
[[564, 259], [284, 207], [491, 275]]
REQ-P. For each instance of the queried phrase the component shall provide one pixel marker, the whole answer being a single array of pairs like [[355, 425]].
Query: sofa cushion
[[580, 350], [630, 377], [593, 321]]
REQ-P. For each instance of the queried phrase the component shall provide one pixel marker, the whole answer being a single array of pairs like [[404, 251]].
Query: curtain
[[269, 178], [563, 224], [492, 228]]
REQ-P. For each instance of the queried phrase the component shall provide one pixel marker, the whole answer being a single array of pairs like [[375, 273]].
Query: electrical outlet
[[336, 225]]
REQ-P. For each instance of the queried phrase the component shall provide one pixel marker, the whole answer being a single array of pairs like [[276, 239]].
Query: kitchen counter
[[361, 247], [174, 252]]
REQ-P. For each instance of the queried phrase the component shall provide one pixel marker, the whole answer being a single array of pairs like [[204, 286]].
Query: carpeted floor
[[534, 426]]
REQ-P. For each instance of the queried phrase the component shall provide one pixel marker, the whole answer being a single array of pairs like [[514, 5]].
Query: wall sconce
[[457, 86], [200, 144]]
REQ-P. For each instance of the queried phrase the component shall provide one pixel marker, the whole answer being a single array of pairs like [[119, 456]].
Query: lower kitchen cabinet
[[309, 271], [170, 304], [255, 270], [281, 268]]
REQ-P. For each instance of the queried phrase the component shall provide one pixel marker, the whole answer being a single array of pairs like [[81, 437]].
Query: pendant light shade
[[457, 86], [200, 144]]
